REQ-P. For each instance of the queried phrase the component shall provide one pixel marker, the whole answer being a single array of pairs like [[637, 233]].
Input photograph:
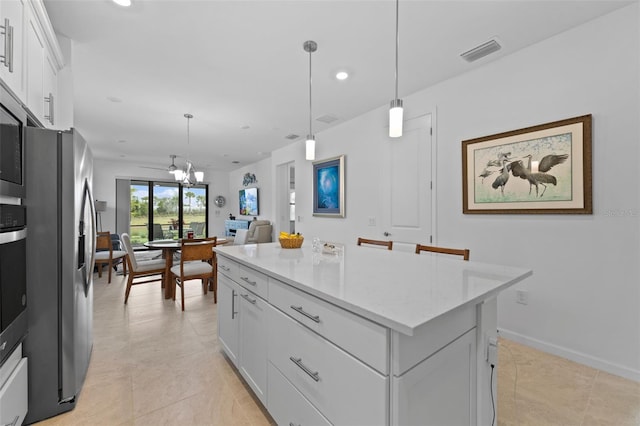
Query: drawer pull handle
[[313, 374], [246, 279], [299, 309], [14, 422], [293, 424], [7, 58], [224, 268], [233, 304], [248, 299]]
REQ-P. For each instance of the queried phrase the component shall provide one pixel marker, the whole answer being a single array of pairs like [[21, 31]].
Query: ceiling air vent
[[481, 51], [327, 119], [292, 136]]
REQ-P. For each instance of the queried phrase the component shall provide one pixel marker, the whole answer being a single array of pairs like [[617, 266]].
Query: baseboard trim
[[600, 364]]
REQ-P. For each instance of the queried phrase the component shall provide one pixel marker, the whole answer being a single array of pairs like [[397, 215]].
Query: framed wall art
[[539, 169], [328, 187]]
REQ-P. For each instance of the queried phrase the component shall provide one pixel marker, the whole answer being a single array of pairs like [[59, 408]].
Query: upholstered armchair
[[259, 232]]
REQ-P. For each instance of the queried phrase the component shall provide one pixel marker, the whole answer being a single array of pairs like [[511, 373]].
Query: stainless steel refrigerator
[[60, 258]]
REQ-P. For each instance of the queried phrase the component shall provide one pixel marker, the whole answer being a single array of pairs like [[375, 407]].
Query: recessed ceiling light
[[342, 75], [125, 3]]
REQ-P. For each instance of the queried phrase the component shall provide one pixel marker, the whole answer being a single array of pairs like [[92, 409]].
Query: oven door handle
[[13, 236]]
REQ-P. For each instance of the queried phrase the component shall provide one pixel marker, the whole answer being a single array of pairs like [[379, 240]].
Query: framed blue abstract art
[[328, 187]]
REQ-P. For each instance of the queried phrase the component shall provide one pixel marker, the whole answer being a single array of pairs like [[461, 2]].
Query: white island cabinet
[[370, 337]]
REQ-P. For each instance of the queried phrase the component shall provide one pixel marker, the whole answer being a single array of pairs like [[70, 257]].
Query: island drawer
[[343, 389], [362, 338], [287, 406], [253, 280], [227, 267]]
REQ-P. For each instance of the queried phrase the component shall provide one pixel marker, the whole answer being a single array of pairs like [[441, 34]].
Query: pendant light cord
[[310, 113], [397, 45]]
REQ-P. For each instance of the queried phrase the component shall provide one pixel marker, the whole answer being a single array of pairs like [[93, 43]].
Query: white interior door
[[406, 184]]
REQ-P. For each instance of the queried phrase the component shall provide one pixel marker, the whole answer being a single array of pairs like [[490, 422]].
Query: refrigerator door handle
[[87, 201]]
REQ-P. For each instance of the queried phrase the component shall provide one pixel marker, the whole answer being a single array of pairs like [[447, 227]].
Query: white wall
[[584, 297], [262, 171], [64, 118], [104, 188]]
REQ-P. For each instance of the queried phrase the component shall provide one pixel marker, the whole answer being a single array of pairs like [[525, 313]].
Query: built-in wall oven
[[13, 224], [12, 122], [13, 278]]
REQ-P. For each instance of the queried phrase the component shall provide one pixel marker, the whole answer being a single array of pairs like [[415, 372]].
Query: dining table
[[169, 247]]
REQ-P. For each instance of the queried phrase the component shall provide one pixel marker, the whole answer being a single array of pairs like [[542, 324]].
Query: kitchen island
[[362, 337]]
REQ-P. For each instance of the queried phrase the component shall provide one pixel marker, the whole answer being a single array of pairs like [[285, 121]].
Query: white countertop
[[396, 289]]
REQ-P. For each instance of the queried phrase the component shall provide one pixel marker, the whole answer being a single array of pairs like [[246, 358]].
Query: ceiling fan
[[171, 168]]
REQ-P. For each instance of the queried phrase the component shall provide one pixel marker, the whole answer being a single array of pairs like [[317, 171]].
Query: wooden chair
[[387, 244], [153, 269], [214, 282], [197, 261], [106, 255], [460, 252]]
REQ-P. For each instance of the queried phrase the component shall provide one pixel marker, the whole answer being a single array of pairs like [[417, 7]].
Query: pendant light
[[395, 111], [310, 46], [189, 175]]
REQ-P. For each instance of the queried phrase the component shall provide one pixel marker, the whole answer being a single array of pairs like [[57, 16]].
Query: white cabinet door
[[228, 317], [50, 91], [35, 66], [441, 390], [12, 19], [287, 406], [253, 342], [345, 390], [14, 397]]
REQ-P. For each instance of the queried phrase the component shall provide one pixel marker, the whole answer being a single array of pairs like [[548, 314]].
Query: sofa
[[259, 232]]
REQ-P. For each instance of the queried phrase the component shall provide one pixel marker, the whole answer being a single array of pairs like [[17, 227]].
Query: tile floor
[[155, 365], [550, 390]]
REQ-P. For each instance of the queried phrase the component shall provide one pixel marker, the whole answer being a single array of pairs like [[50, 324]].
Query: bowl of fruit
[[290, 241]]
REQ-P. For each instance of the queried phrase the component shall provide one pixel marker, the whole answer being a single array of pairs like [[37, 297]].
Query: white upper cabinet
[[12, 45], [30, 57], [35, 62], [50, 89]]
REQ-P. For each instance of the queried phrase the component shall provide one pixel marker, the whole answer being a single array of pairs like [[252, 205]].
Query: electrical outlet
[[492, 351], [522, 297], [372, 221]]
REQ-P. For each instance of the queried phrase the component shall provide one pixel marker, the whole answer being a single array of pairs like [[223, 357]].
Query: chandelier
[[189, 175]]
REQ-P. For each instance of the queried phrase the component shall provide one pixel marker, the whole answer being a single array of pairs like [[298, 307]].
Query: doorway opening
[[286, 196]]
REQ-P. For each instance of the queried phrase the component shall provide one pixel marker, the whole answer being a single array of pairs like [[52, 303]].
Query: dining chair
[[214, 282], [152, 269], [460, 252], [387, 244], [240, 237], [106, 255], [198, 229], [197, 261], [158, 233]]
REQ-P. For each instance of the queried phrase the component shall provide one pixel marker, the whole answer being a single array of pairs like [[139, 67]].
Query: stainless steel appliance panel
[[12, 120], [60, 246], [13, 300]]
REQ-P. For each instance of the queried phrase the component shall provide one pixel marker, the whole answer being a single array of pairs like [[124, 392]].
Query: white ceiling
[[239, 63]]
